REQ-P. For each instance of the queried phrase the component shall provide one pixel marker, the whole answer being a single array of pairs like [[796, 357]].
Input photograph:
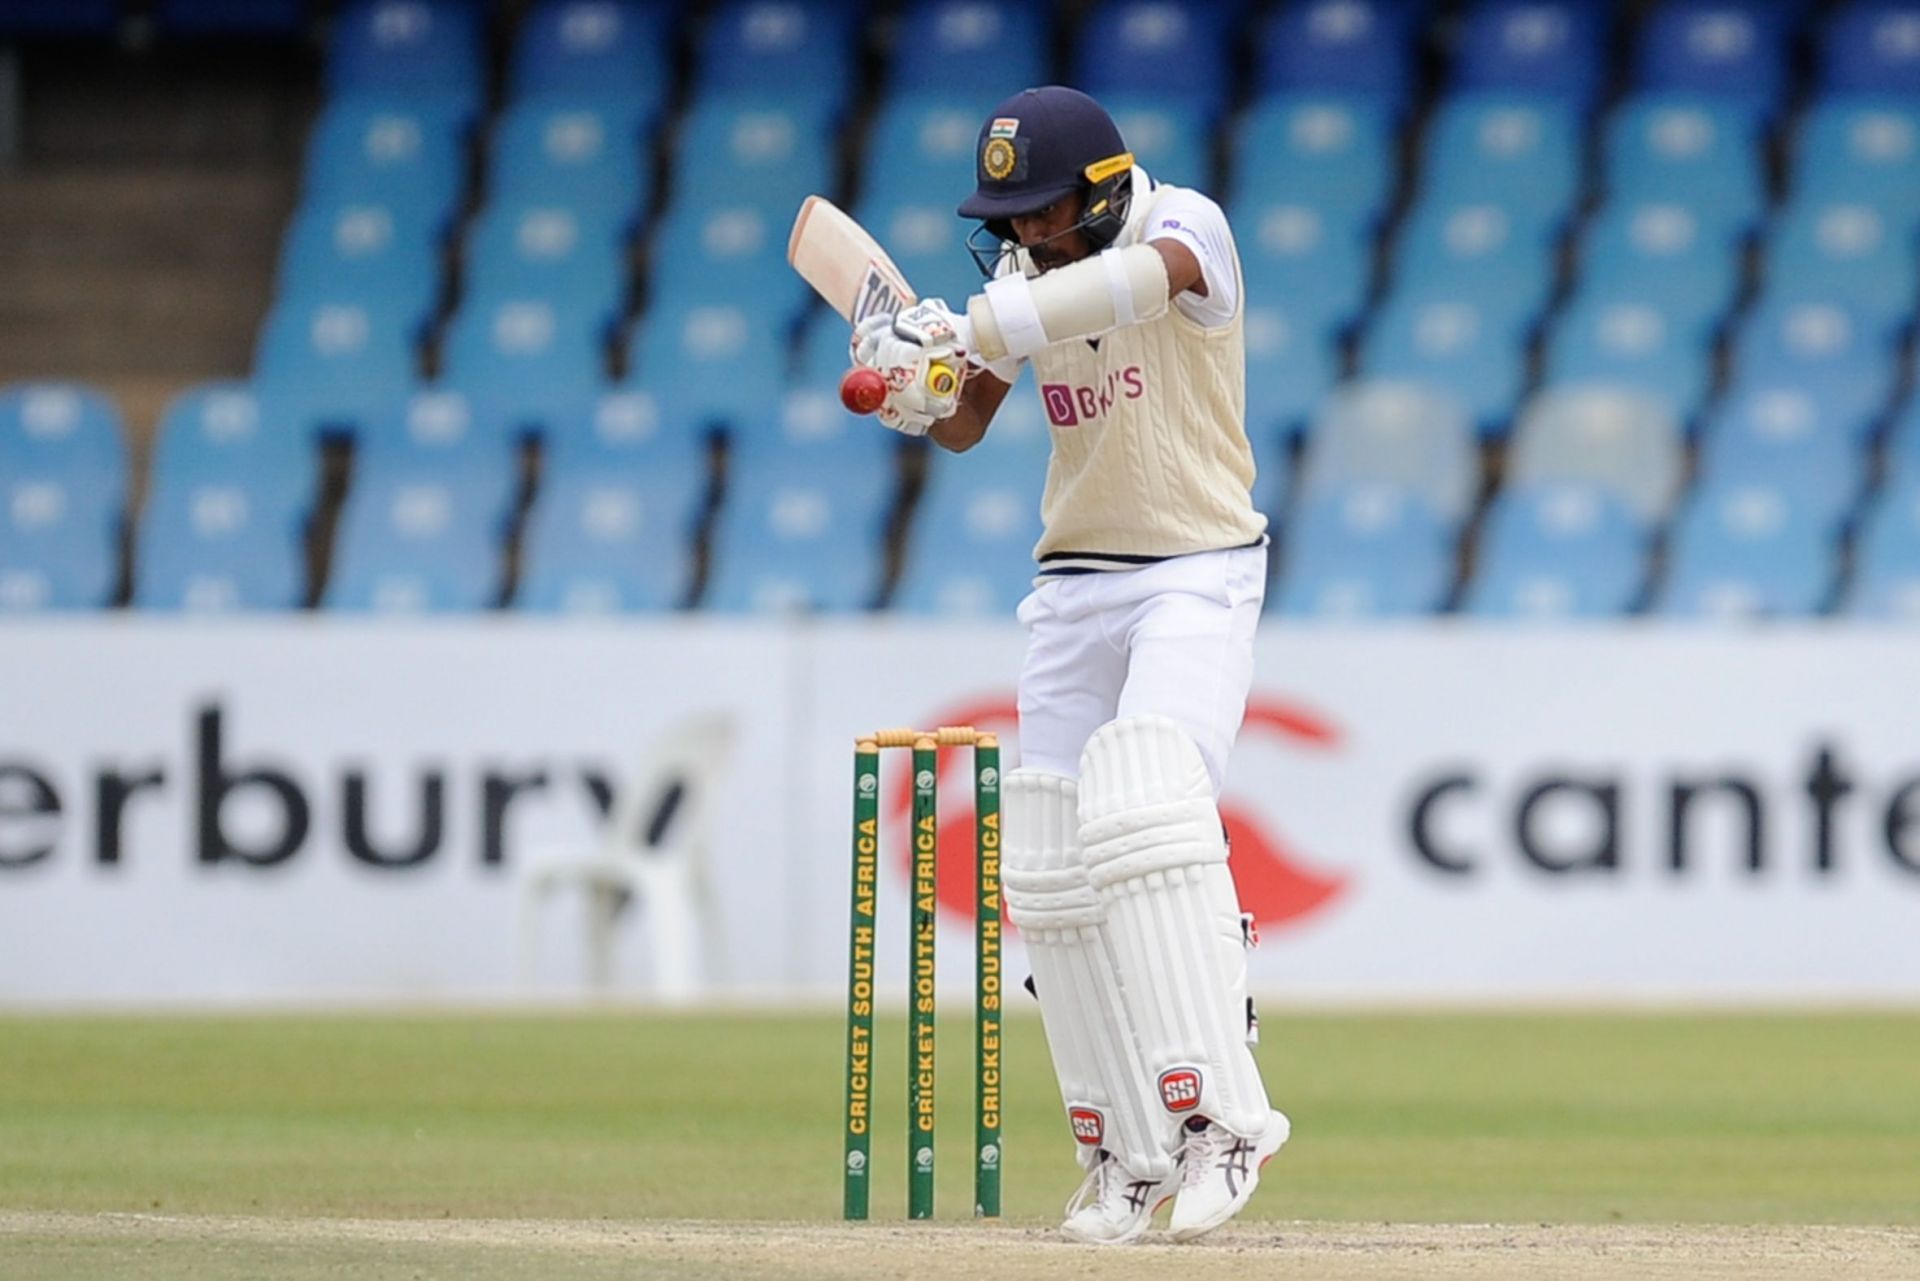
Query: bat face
[[844, 263]]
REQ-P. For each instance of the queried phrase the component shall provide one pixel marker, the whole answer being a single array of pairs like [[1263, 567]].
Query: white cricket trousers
[[1171, 639]]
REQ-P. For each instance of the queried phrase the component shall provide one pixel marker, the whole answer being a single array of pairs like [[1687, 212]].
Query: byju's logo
[[1070, 406]]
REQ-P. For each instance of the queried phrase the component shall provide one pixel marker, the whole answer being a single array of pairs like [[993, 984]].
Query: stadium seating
[[1861, 149], [1665, 254], [1154, 47], [63, 478], [792, 539], [1349, 47], [1886, 582], [557, 254], [609, 50], [1746, 551], [971, 553], [1733, 49], [386, 150], [1461, 345], [425, 49], [1633, 344], [211, 545], [1688, 149], [416, 543], [1291, 364], [805, 48], [1872, 46], [1369, 551], [1395, 436], [580, 153], [709, 365], [1316, 263], [1558, 551], [525, 359], [1624, 444], [987, 49], [1330, 154], [1519, 151], [1542, 46]]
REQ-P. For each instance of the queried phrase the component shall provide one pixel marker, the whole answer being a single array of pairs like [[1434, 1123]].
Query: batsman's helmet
[[1038, 146]]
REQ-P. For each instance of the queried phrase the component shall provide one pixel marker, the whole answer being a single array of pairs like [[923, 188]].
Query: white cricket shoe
[[1219, 1171], [1112, 1207]]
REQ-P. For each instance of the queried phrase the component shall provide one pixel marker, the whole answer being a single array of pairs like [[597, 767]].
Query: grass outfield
[[1422, 1119]]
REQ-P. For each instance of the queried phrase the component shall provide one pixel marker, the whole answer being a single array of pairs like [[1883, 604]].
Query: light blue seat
[[1167, 135], [1635, 343], [922, 148], [224, 431], [1903, 445], [602, 48], [218, 544], [1157, 47], [613, 537], [970, 553], [988, 48], [1819, 344], [1359, 47], [1872, 46], [411, 543], [809, 426], [1624, 443], [805, 48], [423, 48], [553, 252], [1734, 49], [575, 151], [624, 430], [1371, 552], [1539, 46], [62, 426], [524, 360], [770, 150], [1861, 148], [927, 243], [63, 478], [791, 539], [1521, 151], [440, 433], [1333, 154], [1689, 149], [1291, 364], [331, 366], [1400, 436], [402, 153], [720, 252], [1886, 575], [1455, 342], [709, 365], [1315, 261], [1781, 441], [1559, 551], [371, 253], [1848, 251], [1677, 257], [1497, 254], [1744, 551]]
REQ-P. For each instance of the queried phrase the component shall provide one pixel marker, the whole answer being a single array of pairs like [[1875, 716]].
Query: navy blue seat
[[556, 253], [1558, 552], [1356, 47], [63, 477], [603, 49], [421, 48], [1333, 154], [575, 151], [1735, 49], [804, 49], [989, 49], [1886, 579], [1873, 46], [524, 360], [1539, 46], [791, 539], [1861, 149], [1688, 149], [216, 544], [1742, 550], [1373, 551], [1158, 47]]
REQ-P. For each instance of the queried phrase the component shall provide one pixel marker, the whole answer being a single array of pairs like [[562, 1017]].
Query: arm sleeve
[[1199, 224]]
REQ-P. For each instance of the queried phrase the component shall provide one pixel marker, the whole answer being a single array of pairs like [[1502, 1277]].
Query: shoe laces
[[1107, 1185], [1198, 1155]]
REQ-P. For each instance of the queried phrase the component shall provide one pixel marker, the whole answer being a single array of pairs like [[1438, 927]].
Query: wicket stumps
[[862, 966]]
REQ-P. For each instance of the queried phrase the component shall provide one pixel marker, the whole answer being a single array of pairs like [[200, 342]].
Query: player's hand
[[920, 355]]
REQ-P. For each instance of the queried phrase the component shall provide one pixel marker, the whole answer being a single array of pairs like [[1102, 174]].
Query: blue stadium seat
[[971, 550], [63, 476], [1733, 49], [1862, 149], [553, 252], [1903, 445], [410, 543], [1745, 551], [1558, 551], [1779, 440], [806, 48], [603, 49], [1624, 443], [1873, 46], [1316, 262], [1886, 578], [714, 252], [1635, 343], [1168, 136], [1455, 342], [1357, 47], [574, 151], [1517, 150], [1156, 47], [1540, 46], [1291, 364], [384, 151], [624, 430], [442, 434], [986, 48], [524, 360], [811, 427], [1823, 346], [223, 431], [1687, 149], [792, 539], [1498, 255], [216, 544], [332, 366], [1851, 252], [1367, 552], [709, 365], [1671, 255], [921, 149], [770, 151], [372, 254], [927, 242], [231, 17], [1395, 435], [59, 18], [1334, 154], [422, 48]]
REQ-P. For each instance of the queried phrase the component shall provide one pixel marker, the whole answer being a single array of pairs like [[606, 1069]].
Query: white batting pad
[[1107, 1088], [1157, 859]]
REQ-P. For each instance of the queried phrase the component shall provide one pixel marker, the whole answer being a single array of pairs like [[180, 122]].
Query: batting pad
[[1157, 859], [1107, 1088]]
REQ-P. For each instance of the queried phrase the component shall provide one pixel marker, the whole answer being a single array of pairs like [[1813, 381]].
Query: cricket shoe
[[1219, 1171], [1112, 1207]]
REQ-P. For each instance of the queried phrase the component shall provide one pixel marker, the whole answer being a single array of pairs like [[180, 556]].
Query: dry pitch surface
[[164, 1246]]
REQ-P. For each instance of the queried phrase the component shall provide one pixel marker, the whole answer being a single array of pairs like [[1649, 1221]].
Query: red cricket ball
[[863, 390]]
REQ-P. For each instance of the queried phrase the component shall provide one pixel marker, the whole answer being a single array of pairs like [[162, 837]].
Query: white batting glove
[[921, 356]]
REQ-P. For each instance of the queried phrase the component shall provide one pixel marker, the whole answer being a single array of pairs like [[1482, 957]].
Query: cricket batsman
[[1124, 295]]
